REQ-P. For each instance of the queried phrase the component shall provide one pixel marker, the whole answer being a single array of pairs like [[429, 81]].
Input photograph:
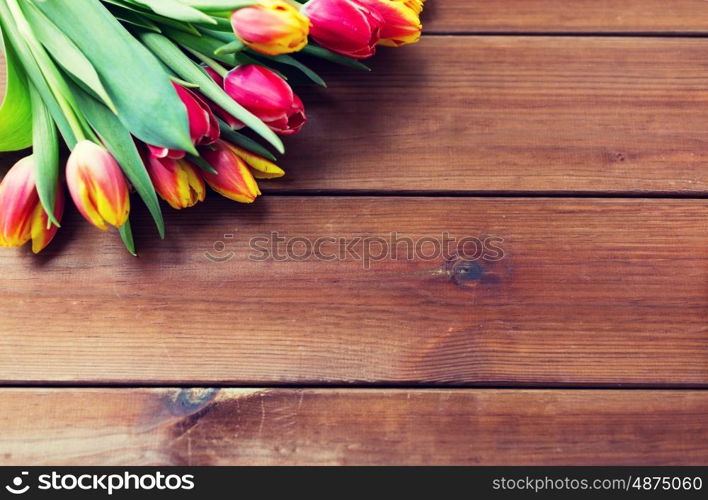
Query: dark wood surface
[[527, 120], [521, 114], [576, 299], [353, 427]]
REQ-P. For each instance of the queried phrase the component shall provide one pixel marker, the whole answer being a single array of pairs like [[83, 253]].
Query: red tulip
[[233, 178], [347, 27], [97, 185], [22, 217], [203, 127], [268, 96]]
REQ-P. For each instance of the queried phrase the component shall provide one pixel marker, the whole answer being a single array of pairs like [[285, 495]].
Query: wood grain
[[352, 427], [511, 114], [589, 292], [566, 16]]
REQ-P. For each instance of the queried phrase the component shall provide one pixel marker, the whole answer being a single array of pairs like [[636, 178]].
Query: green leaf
[[147, 103], [187, 69], [174, 9], [46, 154], [135, 19], [136, 15], [16, 108], [204, 44], [244, 141], [291, 61], [120, 143], [34, 73], [65, 52], [328, 55], [126, 234], [218, 5], [230, 48]]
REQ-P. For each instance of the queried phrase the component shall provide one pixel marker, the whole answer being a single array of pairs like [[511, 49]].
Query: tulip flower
[[268, 96], [233, 178], [203, 127], [262, 167], [401, 20], [22, 217], [176, 181], [347, 27], [271, 27], [97, 185]]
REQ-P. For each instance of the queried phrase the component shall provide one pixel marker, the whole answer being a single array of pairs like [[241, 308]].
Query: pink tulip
[[347, 27], [268, 96], [203, 127]]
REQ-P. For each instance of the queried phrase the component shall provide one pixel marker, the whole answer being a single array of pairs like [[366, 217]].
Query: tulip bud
[[22, 216], [272, 27], [401, 18], [176, 181], [233, 178], [262, 167], [97, 185], [203, 127], [268, 96], [347, 27]]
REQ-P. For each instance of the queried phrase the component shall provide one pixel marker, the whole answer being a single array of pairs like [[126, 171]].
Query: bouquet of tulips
[[163, 97]]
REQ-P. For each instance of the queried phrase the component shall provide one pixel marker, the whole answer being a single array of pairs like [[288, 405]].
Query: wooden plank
[[589, 292], [511, 114], [352, 427], [566, 16]]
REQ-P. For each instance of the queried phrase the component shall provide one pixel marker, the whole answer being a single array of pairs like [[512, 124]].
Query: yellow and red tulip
[[268, 96], [272, 27], [97, 185], [203, 127], [347, 27], [233, 179], [401, 20], [176, 181], [22, 217]]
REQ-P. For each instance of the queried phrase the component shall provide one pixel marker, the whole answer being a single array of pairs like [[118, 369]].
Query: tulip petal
[[264, 169]]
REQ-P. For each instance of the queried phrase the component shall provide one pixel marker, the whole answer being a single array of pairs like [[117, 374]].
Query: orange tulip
[[97, 185], [22, 217]]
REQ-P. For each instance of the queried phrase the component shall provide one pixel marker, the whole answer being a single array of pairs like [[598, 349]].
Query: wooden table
[[574, 131]]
